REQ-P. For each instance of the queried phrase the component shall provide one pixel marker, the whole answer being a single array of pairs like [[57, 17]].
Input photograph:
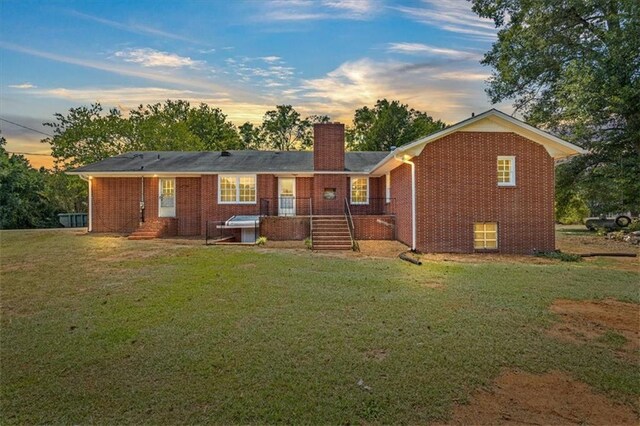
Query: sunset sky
[[321, 56]]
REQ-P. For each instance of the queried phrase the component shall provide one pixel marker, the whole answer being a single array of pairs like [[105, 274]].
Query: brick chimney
[[328, 146]]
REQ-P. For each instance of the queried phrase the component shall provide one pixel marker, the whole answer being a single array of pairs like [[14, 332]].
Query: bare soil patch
[[579, 241], [595, 321], [552, 398], [368, 249], [376, 354], [484, 258]]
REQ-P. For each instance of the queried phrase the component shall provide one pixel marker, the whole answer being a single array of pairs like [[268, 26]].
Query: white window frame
[[387, 187], [512, 169], [237, 179], [484, 232], [358, 203]]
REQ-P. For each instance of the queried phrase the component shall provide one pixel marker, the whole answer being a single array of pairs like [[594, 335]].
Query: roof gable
[[497, 121], [489, 121]]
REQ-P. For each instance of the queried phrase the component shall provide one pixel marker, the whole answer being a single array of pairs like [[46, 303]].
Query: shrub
[[558, 255], [261, 241], [634, 225], [308, 243], [601, 232]]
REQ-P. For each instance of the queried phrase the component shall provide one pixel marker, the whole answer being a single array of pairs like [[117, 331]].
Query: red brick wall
[[266, 187], [328, 146], [304, 192], [322, 206], [401, 193], [277, 228], [188, 206], [116, 204], [374, 227], [457, 186]]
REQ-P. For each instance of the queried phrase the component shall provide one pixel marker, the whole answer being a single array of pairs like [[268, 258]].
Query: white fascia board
[[221, 172]]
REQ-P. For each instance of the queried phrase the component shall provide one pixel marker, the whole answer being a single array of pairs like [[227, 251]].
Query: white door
[[286, 196], [167, 198]]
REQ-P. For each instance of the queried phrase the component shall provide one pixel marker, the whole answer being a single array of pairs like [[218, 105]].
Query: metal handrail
[[311, 221], [347, 214], [272, 206]]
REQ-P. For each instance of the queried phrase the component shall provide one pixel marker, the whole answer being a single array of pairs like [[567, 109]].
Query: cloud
[[453, 16], [306, 10], [263, 71], [421, 49], [127, 98], [133, 27], [182, 80], [23, 86], [154, 58], [271, 59], [444, 91]]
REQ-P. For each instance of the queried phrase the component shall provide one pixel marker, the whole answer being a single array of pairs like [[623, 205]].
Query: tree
[[285, 130], [388, 124], [210, 125], [250, 136], [573, 67], [21, 202], [88, 134], [64, 193]]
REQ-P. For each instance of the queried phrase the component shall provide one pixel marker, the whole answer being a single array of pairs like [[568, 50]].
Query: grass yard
[[99, 329]]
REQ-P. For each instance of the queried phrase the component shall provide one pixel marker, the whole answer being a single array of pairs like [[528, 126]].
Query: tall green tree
[[388, 124], [250, 136], [573, 67], [22, 204], [284, 129], [89, 134]]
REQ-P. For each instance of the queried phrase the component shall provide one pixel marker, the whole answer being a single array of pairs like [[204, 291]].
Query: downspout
[[88, 180], [413, 200], [142, 199]]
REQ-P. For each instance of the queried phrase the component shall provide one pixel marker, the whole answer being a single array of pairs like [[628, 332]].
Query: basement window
[[485, 235], [506, 171], [359, 190], [237, 189]]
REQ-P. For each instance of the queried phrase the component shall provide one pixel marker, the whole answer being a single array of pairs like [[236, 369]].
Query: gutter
[[88, 180], [413, 200]]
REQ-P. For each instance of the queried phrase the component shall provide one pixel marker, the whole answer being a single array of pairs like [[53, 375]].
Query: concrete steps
[[331, 233]]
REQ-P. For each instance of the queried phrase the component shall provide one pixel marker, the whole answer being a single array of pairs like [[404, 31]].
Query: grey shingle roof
[[214, 161]]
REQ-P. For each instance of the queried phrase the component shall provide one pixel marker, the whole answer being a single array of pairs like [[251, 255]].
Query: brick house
[[484, 184]]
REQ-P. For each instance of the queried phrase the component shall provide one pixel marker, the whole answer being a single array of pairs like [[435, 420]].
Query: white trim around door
[[167, 197], [286, 196]]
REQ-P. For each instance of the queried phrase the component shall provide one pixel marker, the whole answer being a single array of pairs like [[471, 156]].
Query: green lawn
[[106, 330]]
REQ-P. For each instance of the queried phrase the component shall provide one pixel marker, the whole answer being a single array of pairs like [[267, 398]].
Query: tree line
[[32, 198], [87, 134]]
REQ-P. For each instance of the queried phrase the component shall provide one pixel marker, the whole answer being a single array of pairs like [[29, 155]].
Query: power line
[[28, 153], [26, 127]]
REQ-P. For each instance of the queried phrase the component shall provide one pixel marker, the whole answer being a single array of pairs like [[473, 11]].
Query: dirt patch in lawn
[[368, 249], [583, 242], [484, 258], [376, 354], [552, 398], [606, 322]]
